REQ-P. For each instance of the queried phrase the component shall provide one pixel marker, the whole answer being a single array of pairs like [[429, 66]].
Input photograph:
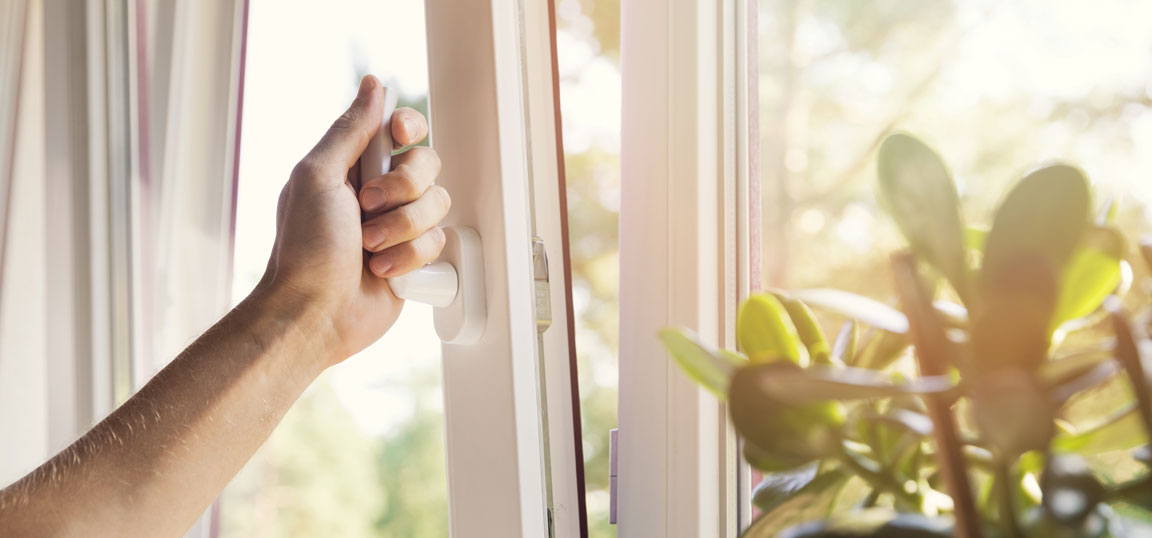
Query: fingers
[[407, 222], [339, 148], [408, 127], [407, 257], [415, 171]]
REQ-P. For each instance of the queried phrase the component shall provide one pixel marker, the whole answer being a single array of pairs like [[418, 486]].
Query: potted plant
[[947, 414]]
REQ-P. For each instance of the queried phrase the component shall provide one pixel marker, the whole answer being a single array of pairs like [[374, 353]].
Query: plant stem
[[1128, 351], [1007, 506], [933, 355]]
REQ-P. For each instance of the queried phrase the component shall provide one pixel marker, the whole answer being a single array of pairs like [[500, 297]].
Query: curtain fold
[[189, 75], [13, 23], [128, 138], [189, 82]]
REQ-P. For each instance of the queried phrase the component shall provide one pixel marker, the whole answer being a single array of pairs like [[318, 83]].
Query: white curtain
[[193, 75], [23, 384], [13, 21], [119, 169]]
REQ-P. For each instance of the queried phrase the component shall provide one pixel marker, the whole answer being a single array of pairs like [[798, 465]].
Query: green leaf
[[845, 346], [918, 192], [1092, 274], [811, 335], [910, 421], [975, 238], [1034, 234], [1011, 326], [1012, 409], [1046, 213], [791, 384], [1122, 430], [779, 435], [881, 349], [1137, 492], [779, 487], [813, 501], [710, 368], [1060, 370], [1071, 375], [857, 307], [764, 331]]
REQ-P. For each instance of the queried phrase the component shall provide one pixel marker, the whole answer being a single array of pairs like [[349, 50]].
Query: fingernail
[[366, 84], [373, 235], [409, 125], [380, 264], [371, 199]]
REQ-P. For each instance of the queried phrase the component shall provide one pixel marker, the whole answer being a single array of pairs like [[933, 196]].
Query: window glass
[[588, 49], [362, 452], [995, 86]]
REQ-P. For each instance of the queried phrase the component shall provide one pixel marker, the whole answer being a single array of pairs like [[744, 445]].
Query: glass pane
[[997, 87], [362, 452], [588, 49]]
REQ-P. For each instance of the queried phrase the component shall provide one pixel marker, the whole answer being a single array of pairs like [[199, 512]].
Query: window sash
[[485, 96]]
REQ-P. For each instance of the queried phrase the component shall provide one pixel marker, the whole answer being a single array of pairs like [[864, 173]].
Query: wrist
[[304, 327]]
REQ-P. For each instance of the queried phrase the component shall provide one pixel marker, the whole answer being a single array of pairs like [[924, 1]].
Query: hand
[[326, 256]]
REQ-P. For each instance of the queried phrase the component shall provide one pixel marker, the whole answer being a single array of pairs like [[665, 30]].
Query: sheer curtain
[[23, 390], [117, 193]]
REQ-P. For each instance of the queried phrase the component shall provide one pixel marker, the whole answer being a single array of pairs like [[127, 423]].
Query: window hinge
[[543, 291], [613, 467]]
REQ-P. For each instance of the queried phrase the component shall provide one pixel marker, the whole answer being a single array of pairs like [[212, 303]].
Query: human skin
[[155, 464]]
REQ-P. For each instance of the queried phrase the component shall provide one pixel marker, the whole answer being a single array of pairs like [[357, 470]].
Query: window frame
[[494, 125], [687, 229]]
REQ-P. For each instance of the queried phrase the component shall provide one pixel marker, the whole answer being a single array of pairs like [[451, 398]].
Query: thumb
[[346, 139]]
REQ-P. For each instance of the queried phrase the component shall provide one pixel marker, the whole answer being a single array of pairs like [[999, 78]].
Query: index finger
[[408, 126]]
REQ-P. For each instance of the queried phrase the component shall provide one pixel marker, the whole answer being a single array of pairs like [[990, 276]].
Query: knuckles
[[308, 167], [438, 240], [406, 221], [443, 199]]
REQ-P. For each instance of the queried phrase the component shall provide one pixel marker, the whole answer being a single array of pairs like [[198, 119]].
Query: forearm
[[156, 463]]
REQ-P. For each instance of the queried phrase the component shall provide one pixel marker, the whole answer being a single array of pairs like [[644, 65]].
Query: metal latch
[[613, 455], [543, 291]]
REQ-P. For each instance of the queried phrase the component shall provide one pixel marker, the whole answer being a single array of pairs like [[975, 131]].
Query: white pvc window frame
[[492, 123], [687, 255]]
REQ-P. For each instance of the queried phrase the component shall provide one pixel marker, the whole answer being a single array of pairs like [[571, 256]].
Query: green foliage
[[873, 523], [778, 434], [811, 335], [919, 193], [765, 331], [801, 495], [995, 373], [1091, 275], [711, 368]]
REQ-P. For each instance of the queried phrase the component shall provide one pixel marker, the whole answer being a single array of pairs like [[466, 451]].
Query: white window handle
[[454, 284]]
